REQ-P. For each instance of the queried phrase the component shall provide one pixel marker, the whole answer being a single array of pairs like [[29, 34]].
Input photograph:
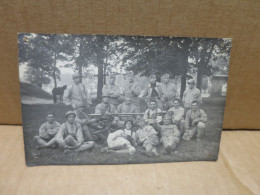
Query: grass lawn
[[207, 149]]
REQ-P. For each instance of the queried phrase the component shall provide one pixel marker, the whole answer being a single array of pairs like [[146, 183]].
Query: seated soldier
[[126, 108], [152, 112], [85, 122], [147, 137], [47, 132], [122, 141], [70, 136], [195, 120], [177, 113], [105, 107], [170, 134]]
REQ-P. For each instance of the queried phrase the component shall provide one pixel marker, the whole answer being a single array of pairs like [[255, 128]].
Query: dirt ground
[[207, 149]]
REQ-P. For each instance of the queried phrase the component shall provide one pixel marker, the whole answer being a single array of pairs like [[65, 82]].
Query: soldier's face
[[166, 121], [128, 125], [71, 118], [152, 105], [50, 118], [191, 85], [127, 101], [166, 80], [81, 109], [194, 106], [153, 80], [176, 104], [142, 123], [105, 99], [112, 81], [130, 78], [76, 80]]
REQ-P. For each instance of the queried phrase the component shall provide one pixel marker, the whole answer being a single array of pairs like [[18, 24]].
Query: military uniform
[[83, 119], [76, 94], [178, 118], [169, 92], [148, 115], [170, 135], [103, 108], [114, 93], [132, 91], [48, 130], [148, 137], [194, 124]]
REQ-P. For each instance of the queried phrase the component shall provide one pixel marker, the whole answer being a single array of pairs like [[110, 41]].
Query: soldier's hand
[[154, 116]]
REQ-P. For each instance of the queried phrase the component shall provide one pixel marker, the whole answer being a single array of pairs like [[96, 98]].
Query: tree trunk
[[100, 81], [199, 76], [55, 60]]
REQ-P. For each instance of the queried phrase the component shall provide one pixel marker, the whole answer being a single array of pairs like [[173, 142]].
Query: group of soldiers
[[121, 128]]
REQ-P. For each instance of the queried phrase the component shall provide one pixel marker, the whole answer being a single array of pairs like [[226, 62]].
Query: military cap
[[75, 74], [130, 73], [80, 104], [167, 117], [191, 81], [105, 94], [112, 76], [166, 75], [69, 113]]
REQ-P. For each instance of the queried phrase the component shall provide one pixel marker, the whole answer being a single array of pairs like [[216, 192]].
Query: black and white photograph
[[111, 99]]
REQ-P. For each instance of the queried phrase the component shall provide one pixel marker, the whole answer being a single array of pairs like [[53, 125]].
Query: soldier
[[169, 92], [70, 136], [152, 113], [77, 93], [153, 91], [83, 119], [132, 90], [147, 137], [170, 134], [122, 141], [105, 107], [127, 107], [47, 132], [112, 90], [195, 120], [177, 113], [191, 94]]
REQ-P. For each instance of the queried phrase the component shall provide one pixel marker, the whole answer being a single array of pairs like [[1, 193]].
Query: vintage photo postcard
[[94, 99]]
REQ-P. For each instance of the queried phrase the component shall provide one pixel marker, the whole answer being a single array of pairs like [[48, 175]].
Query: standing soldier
[[77, 93], [169, 92], [191, 94], [195, 120], [112, 90], [153, 91], [132, 90], [177, 113]]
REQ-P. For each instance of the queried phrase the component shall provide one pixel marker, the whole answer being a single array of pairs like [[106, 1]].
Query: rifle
[[124, 114]]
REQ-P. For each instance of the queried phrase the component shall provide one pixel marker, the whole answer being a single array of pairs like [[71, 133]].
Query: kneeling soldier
[[195, 120], [70, 136], [47, 132], [170, 134], [122, 141], [147, 137]]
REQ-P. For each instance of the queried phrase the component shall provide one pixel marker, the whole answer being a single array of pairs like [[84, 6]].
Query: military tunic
[[132, 91], [114, 92], [103, 108], [147, 136], [189, 96], [169, 92], [77, 94], [48, 130]]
